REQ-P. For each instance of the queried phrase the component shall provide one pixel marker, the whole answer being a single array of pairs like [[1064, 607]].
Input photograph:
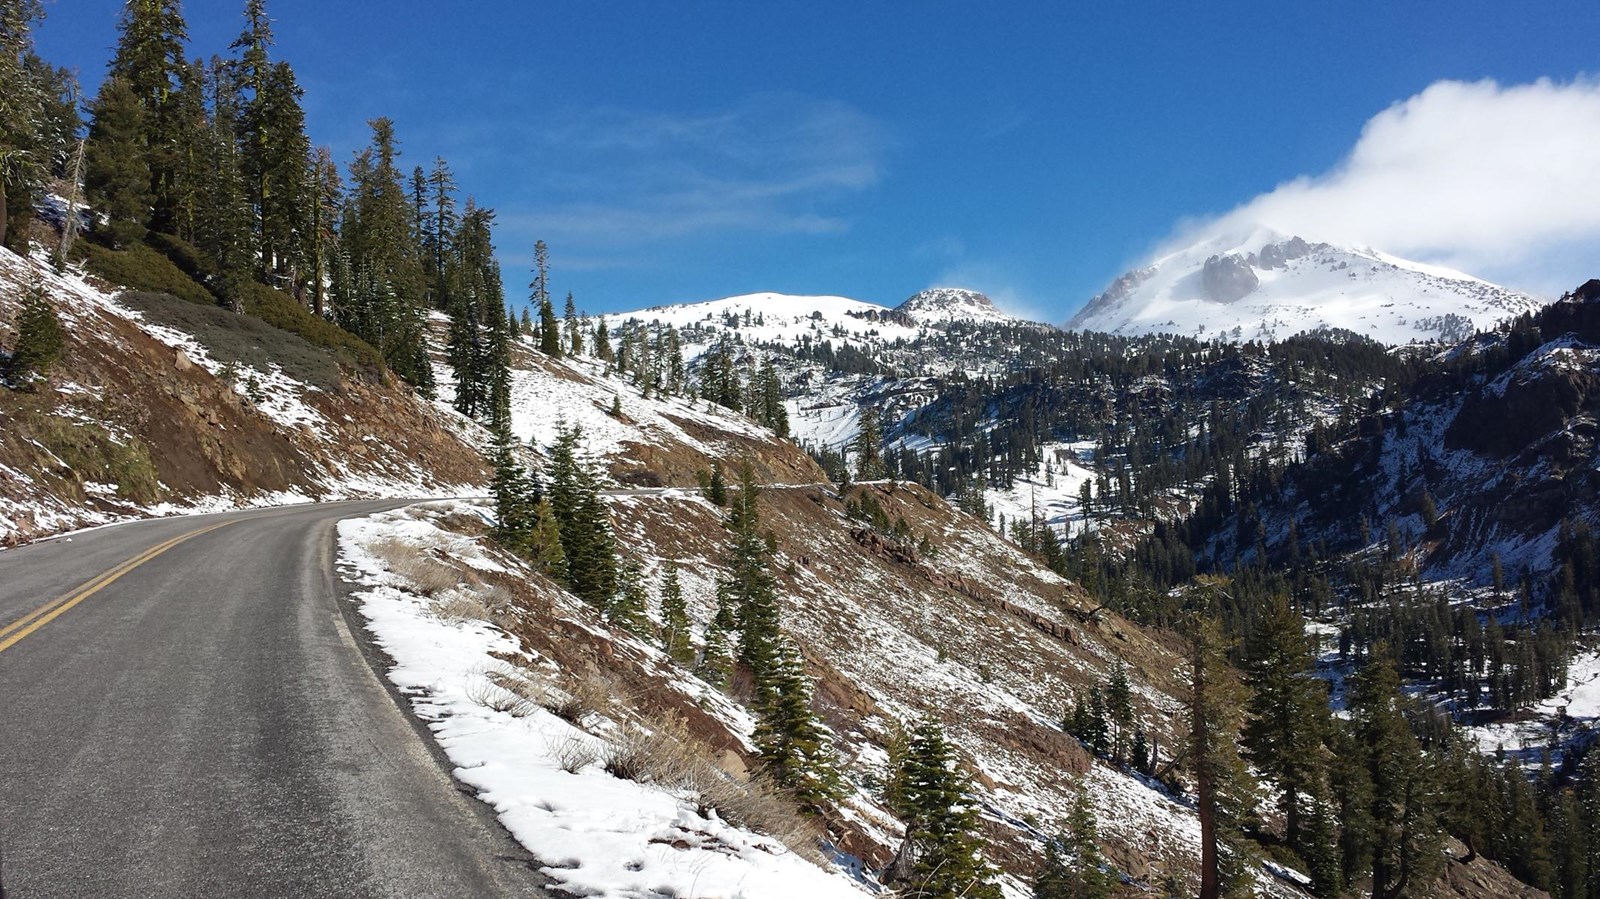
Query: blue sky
[[677, 152]]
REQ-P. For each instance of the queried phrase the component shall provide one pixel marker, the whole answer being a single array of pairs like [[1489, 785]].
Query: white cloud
[[772, 164], [1500, 181]]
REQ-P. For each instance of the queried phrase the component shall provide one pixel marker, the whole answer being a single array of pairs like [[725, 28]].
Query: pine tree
[[478, 340], [440, 186], [323, 239], [754, 589], [549, 328], [1222, 783], [24, 135], [675, 631], [796, 752], [516, 499], [383, 298], [574, 331], [629, 606], [117, 180], [274, 152], [1119, 711], [149, 58], [547, 551], [941, 822], [40, 340], [586, 538], [869, 449], [1288, 710], [223, 228], [716, 662], [1403, 812]]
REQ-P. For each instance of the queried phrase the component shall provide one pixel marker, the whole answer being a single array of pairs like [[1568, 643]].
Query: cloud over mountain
[[1493, 179]]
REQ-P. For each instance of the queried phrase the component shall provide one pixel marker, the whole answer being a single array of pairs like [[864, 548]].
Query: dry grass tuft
[[425, 574], [574, 753], [667, 755], [498, 690]]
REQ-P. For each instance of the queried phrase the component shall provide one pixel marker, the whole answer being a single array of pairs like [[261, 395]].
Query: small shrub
[[490, 691], [574, 753], [140, 267], [425, 575]]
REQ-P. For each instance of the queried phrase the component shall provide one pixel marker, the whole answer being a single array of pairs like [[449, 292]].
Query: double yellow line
[[13, 633]]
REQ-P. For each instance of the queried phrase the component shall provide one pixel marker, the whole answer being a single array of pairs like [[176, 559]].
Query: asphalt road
[[208, 724]]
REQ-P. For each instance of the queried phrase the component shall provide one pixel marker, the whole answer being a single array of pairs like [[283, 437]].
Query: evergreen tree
[[516, 499], [716, 662], [547, 551], [549, 329], [382, 300], [479, 336], [585, 523], [323, 221], [1222, 784], [149, 58], [574, 331], [26, 142], [628, 608], [40, 340], [1402, 818], [602, 341], [117, 180], [675, 634], [440, 186], [796, 752], [869, 448], [223, 229], [1288, 711], [274, 153], [941, 822], [1119, 711], [753, 589]]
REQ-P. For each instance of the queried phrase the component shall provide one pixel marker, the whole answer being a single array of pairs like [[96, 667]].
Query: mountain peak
[[943, 305], [1258, 284]]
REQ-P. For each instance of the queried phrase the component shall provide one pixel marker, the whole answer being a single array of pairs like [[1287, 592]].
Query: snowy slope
[[1269, 286], [788, 320]]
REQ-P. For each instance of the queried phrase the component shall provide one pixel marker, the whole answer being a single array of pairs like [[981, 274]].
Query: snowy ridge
[[788, 320], [1268, 286], [944, 305]]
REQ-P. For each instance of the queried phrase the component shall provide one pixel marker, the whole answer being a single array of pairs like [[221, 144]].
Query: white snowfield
[[594, 834], [1383, 297]]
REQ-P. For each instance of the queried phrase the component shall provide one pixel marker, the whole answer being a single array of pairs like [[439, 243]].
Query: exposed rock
[[1228, 279]]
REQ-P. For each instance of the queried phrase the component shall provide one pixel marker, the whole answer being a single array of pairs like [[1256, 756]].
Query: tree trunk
[[1205, 789], [3, 221]]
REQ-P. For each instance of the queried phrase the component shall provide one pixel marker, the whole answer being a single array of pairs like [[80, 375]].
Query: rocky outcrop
[[1228, 279]]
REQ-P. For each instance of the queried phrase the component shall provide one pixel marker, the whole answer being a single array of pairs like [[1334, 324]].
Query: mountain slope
[[161, 405], [1269, 286], [1494, 450]]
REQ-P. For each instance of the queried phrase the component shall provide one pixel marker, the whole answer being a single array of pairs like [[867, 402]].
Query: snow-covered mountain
[[788, 320], [1269, 286], [944, 305]]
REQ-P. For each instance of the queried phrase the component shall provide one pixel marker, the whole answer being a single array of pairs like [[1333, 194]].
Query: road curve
[[196, 717]]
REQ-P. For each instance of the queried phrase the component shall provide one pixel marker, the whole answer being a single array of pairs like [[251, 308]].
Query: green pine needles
[[41, 341]]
